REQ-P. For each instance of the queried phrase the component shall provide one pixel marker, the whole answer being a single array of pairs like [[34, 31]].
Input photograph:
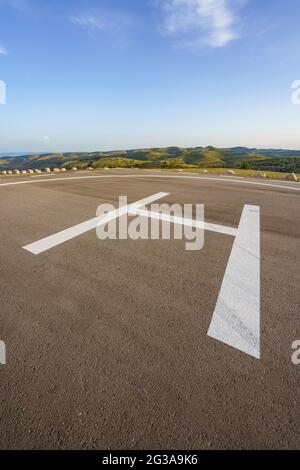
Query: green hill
[[169, 157]]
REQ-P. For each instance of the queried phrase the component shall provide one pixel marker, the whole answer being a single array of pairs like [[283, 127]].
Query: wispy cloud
[[116, 24], [267, 28], [93, 22], [3, 51], [202, 22]]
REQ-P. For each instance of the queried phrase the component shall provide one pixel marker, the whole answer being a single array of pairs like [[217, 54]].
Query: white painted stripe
[[236, 319], [187, 222], [236, 177], [43, 176], [50, 242], [220, 180]]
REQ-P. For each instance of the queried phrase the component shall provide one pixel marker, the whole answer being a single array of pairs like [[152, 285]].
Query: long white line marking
[[222, 180], [42, 176], [183, 221], [61, 237], [236, 319]]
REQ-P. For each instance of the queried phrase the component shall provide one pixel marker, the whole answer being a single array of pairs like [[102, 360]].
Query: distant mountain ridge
[[13, 154], [167, 157]]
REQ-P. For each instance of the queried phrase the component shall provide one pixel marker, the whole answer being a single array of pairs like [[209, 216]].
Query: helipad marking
[[236, 319], [50, 242]]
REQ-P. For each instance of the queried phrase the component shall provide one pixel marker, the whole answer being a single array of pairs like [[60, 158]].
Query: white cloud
[[116, 24], [3, 51], [198, 22], [91, 22]]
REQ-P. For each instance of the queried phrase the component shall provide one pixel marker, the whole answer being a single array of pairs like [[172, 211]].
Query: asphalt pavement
[[106, 341]]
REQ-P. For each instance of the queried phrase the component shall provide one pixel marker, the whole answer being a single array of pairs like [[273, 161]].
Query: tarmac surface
[[106, 341]]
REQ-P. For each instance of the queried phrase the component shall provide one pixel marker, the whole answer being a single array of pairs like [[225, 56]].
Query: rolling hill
[[169, 157]]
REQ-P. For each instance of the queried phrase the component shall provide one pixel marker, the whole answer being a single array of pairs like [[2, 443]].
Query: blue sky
[[112, 74]]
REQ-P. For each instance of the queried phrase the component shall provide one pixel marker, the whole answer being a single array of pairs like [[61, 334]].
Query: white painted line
[[43, 176], [50, 242], [183, 221], [236, 319], [220, 180], [236, 177]]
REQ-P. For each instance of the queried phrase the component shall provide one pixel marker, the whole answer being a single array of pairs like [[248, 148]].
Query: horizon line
[[26, 153]]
